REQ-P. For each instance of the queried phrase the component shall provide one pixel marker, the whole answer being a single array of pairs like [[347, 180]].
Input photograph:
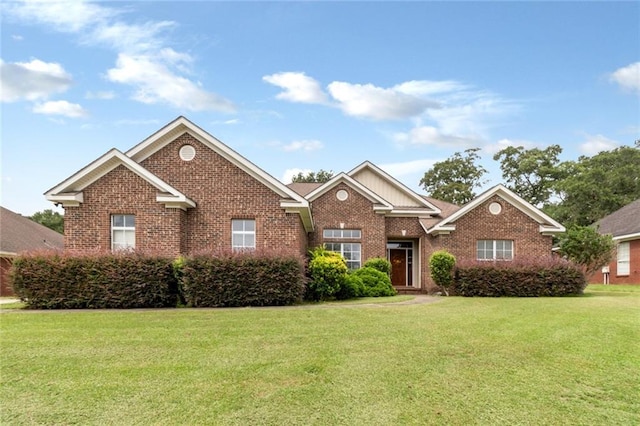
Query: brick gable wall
[[223, 192], [510, 224], [356, 212]]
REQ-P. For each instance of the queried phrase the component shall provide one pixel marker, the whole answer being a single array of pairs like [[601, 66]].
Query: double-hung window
[[123, 232], [623, 259], [243, 234], [351, 251], [494, 250]]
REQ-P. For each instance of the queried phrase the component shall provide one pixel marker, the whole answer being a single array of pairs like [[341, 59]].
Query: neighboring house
[[183, 191], [624, 226], [19, 234]]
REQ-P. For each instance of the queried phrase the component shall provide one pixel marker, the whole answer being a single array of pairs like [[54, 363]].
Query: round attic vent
[[342, 195], [495, 208], [187, 153]]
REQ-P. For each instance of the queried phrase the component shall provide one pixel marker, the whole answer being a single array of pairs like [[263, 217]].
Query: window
[[243, 234], [341, 233], [350, 251], [495, 250], [623, 259], [123, 232]]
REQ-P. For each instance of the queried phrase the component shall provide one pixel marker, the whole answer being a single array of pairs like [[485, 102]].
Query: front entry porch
[[404, 267]]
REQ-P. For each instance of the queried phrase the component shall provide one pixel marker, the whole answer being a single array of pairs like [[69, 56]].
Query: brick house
[[181, 191], [19, 234], [624, 226]]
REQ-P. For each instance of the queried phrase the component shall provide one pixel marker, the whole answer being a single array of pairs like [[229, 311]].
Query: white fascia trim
[[399, 185], [181, 125], [303, 210], [411, 213], [69, 199], [515, 201], [627, 237], [382, 204], [173, 202], [551, 230], [8, 254], [437, 230]]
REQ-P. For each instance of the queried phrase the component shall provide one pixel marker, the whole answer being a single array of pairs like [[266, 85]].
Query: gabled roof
[[379, 203], [547, 224], [623, 224], [69, 192], [19, 233], [391, 188]]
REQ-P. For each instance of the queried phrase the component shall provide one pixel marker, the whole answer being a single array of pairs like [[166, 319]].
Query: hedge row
[[242, 279], [522, 278], [57, 281]]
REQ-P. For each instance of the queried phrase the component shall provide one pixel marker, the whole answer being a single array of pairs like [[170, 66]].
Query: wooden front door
[[398, 259]]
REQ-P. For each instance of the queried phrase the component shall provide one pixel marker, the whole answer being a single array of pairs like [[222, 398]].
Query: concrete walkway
[[5, 300]]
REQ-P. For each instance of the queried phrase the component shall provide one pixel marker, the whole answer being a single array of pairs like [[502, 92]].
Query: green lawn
[[546, 361]]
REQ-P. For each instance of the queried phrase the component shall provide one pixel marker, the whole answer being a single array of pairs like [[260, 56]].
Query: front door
[[398, 259]]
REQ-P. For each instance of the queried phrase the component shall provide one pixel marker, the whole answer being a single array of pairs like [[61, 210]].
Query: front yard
[[569, 360]]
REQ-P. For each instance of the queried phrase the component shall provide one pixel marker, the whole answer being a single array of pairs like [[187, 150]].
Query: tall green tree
[[586, 247], [454, 179], [321, 176], [597, 186], [50, 219], [531, 173]]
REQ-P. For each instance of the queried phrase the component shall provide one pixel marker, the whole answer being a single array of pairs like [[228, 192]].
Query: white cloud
[[303, 145], [429, 135], [627, 77], [297, 87], [596, 144], [63, 108], [144, 60], [290, 173], [105, 95], [369, 101], [17, 37], [32, 80], [155, 82], [493, 148], [408, 167], [426, 87]]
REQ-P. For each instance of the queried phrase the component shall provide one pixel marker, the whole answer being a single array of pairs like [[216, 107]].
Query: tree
[[584, 246], [532, 173], [50, 219], [597, 186], [454, 179], [321, 176], [441, 265]]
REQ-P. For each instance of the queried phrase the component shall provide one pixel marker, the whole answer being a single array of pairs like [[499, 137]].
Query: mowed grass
[[508, 361]]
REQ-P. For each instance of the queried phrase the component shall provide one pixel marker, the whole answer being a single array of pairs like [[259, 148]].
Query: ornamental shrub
[[327, 272], [441, 265], [375, 283], [519, 278], [241, 279], [350, 288], [122, 280], [379, 263]]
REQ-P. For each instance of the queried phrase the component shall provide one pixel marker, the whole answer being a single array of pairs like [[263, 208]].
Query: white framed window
[[243, 234], [623, 256], [352, 253], [341, 233], [494, 250], [123, 232]]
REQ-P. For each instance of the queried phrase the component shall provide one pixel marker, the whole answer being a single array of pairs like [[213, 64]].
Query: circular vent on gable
[[187, 153], [495, 208], [342, 195]]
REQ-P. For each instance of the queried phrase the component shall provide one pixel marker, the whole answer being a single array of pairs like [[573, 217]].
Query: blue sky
[[313, 85]]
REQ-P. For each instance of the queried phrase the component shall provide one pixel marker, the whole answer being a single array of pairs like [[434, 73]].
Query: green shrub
[[126, 280], [441, 265], [521, 278], [327, 271], [376, 283], [242, 279], [379, 263], [350, 288]]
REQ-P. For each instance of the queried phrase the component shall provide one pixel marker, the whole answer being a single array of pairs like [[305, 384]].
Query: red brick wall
[[634, 268], [5, 287], [221, 191], [510, 224], [356, 212]]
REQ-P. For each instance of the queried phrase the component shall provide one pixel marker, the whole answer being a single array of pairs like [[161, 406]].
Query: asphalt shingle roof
[[19, 233], [625, 221]]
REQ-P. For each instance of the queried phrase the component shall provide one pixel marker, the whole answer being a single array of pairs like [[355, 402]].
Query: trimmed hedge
[[375, 283], [327, 272], [241, 279], [379, 263], [59, 281], [521, 278]]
